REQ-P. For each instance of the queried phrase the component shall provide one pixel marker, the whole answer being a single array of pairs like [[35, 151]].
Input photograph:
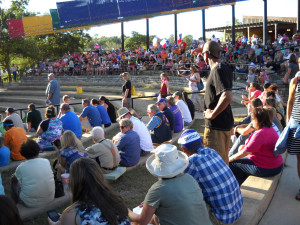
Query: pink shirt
[[261, 145], [256, 93]]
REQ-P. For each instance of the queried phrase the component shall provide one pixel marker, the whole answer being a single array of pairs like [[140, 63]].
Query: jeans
[[187, 123], [242, 168], [239, 141]]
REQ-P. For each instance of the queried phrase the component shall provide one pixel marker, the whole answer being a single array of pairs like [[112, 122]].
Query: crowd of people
[[187, 191]]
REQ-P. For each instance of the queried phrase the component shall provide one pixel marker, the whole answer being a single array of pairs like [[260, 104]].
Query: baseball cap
[[10, 110], [178, 93], [190, 139], [162, 100]]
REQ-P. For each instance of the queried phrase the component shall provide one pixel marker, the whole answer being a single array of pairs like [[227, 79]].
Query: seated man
[[186, 115], [14, 138], [33, 181], [140, 128], [103, 113], [92, 114], [17, 121], [220, 188], [70, 120], [178, 121], [4, 153], [129, 144], [162, 106], [158, 126], [103, 151], [33, 118]]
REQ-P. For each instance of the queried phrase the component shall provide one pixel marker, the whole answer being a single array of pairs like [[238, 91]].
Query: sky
[[188, 22]]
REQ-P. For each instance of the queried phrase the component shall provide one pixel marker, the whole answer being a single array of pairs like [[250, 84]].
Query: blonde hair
[[126, 74], [69, 140]]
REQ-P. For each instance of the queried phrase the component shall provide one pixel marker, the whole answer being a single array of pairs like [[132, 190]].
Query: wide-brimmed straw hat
[[167, 162]]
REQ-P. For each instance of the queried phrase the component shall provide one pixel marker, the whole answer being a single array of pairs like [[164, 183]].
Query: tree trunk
[[7, 67]]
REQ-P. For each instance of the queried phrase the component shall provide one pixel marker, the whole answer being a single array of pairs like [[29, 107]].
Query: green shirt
[[34, 116], [294, 69], [178, 201]]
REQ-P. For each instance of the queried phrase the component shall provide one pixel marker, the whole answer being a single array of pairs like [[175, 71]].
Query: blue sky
[[188, 22]]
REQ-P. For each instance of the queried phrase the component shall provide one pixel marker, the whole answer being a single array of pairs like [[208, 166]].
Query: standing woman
[[293, 112], [164, 87], [193, 79], [109, 107], [93, 200], [126, 91]]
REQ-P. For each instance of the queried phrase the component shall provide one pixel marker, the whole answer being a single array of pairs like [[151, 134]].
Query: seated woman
[[33, 181], [93, 201], [72, 150], [109, 107], [176, 197], [256, 156], [9, 212], [49, 129]]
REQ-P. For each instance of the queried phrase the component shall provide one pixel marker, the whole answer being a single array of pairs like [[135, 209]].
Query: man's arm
[[223, 102], [145, 217], [28, 126]]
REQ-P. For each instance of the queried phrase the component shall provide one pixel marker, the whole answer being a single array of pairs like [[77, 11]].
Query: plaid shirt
[[219, 187]]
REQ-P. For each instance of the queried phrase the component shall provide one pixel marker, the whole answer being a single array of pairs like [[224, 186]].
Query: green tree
[[237, 34], [11, 48], [188, 39]]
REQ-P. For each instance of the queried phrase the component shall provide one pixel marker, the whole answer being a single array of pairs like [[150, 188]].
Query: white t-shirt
[[251, 78], [142, 131], [16, 120], [37, 182], [185, 112]]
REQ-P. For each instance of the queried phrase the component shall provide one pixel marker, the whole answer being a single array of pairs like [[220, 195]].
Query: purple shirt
[[178, 126]]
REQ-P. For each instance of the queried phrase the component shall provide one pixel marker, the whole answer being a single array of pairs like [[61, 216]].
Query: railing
[[113, 99]]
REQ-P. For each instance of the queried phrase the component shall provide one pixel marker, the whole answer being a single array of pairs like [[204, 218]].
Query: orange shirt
[[14, 138]]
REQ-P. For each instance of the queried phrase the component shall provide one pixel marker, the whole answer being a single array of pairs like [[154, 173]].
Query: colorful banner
[[15, 28], [37, 25]]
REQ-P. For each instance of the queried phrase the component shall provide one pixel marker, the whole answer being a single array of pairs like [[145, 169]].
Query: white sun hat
[[167, 162]]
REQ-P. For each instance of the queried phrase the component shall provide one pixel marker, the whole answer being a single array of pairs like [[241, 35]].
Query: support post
[[147, 33], [265, 23], [175, 27], [298, 16], [224, 33], [203, 25], [248, 33], [122, 35], [275, 31], [233, 25]]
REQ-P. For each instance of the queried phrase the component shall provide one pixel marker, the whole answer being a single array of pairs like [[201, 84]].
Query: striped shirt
[[219, 186]]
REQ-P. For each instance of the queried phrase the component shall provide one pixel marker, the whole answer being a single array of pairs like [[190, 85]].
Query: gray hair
[[152, 108], [65, 106], [98, 133], [126, 123]]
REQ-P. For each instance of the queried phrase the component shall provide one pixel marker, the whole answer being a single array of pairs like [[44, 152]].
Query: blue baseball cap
[[162, 100], [190, 139]]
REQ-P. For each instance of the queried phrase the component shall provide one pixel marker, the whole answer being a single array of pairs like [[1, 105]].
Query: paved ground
[[284, 209]]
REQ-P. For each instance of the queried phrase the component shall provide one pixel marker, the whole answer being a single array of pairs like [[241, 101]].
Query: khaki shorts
[[218, 140]]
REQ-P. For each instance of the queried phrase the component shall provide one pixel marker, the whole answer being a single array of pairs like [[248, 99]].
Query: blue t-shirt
[[104, 115], [93, 115], [71, 122], [4, 156]]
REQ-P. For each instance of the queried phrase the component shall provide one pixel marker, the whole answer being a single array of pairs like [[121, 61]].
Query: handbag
[[200, 85]]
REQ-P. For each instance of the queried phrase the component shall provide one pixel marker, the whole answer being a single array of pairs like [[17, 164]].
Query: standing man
[[218, 95], [52, 91]]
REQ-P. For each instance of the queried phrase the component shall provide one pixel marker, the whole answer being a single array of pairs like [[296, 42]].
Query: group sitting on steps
[[203, 170]]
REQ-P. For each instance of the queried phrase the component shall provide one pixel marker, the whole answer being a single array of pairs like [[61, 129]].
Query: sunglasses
[[203, 53], [122, 127]]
